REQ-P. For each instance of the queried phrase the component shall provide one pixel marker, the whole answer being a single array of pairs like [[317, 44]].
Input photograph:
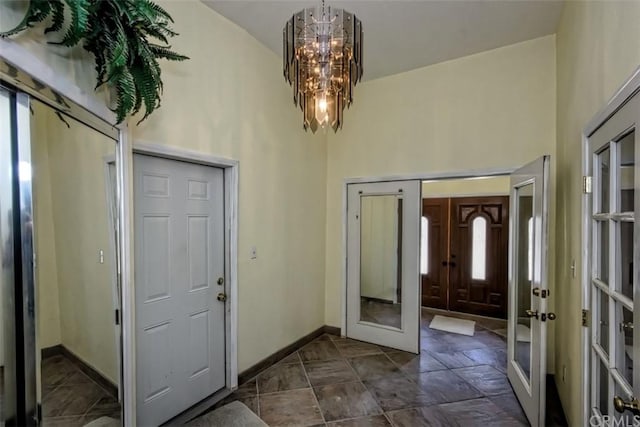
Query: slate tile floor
[[456, 381], [70, 398]]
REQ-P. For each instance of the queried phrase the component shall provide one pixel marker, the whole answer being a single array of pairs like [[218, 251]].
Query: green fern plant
[[126, 38]]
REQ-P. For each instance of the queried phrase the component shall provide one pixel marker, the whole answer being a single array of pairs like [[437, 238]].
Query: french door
[[614, 276], [528, 291], [383, 295]]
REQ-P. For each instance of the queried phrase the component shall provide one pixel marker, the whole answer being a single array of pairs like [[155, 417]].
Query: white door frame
[[459, 174], [629, 88], [112, 219], [230, 168]]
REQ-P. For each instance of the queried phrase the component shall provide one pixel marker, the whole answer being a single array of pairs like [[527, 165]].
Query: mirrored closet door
[[60, 295]]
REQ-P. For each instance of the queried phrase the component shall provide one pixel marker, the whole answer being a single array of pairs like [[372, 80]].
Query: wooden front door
[[455, 276], [479, 255], [433, 265]]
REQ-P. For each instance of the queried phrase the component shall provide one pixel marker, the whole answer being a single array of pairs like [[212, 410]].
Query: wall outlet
[[254, 252], [564, 374], [573, 269]]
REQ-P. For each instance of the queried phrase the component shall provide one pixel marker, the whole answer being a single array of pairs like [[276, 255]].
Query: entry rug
[[234, 414], [523, 333], [451, 324], [104, 422]]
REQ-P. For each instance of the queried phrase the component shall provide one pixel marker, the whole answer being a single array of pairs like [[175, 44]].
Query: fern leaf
[[160, 11], [79, 24], [166, 53], [57, 8], [125, 91], [118, 55]]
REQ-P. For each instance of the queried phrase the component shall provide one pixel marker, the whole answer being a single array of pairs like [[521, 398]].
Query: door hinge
[[117, 317], [585, 318], [586, 184]]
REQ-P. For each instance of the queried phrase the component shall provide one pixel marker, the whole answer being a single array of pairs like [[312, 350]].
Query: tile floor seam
[[258, 400], [391, 423], [313, 392], [468, 383], [92, 406], [282, 391], [365, 386]]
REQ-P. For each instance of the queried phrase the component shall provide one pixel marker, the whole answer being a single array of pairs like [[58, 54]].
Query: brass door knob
[[531, 313], [551, 316], [222, 297], [621, 405]]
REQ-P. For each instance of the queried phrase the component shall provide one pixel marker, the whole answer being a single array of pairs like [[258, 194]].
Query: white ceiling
[[401, 35]]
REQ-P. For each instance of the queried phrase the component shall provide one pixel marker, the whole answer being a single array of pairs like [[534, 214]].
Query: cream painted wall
[[490, 186], [379, 247], [491, 110], [598, 48], [75, 291]]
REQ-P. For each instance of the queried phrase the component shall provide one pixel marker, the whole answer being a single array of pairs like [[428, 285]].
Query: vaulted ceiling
[[403, 35]]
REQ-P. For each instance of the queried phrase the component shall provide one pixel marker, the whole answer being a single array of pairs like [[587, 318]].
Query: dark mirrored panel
[[7, 270], [525, 241], [75, 279], [381, 260]]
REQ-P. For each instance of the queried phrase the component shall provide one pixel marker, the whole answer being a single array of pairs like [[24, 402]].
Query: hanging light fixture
[[323, 62]]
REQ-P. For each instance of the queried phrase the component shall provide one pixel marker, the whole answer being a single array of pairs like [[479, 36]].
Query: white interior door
[[179, 267], [383, 296], [528, 236], [614, 276]]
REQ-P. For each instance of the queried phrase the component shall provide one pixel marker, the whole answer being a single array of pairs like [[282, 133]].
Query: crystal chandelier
[[322, 55]]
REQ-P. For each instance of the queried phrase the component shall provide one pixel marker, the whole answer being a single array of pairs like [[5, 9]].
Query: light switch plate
[[254, 252]]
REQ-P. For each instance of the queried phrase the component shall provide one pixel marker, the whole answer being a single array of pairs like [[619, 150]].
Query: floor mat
[[451, 324], [235, 414], [104, 422]]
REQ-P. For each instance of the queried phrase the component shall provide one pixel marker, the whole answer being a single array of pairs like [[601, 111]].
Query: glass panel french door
[[383, 230], [528, 237], [615, 152]]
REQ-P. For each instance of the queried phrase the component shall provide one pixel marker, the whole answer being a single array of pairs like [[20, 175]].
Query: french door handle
[[626, 326], [621, 405], [532, 313]]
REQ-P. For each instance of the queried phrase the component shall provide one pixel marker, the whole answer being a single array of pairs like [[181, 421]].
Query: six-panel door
[[179, 256]]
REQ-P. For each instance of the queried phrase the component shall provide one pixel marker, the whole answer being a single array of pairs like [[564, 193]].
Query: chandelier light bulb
[[322, 104]]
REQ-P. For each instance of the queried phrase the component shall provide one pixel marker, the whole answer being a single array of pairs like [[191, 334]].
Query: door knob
[[222, 297], [626, 326], [621, 405], [532, 313]]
